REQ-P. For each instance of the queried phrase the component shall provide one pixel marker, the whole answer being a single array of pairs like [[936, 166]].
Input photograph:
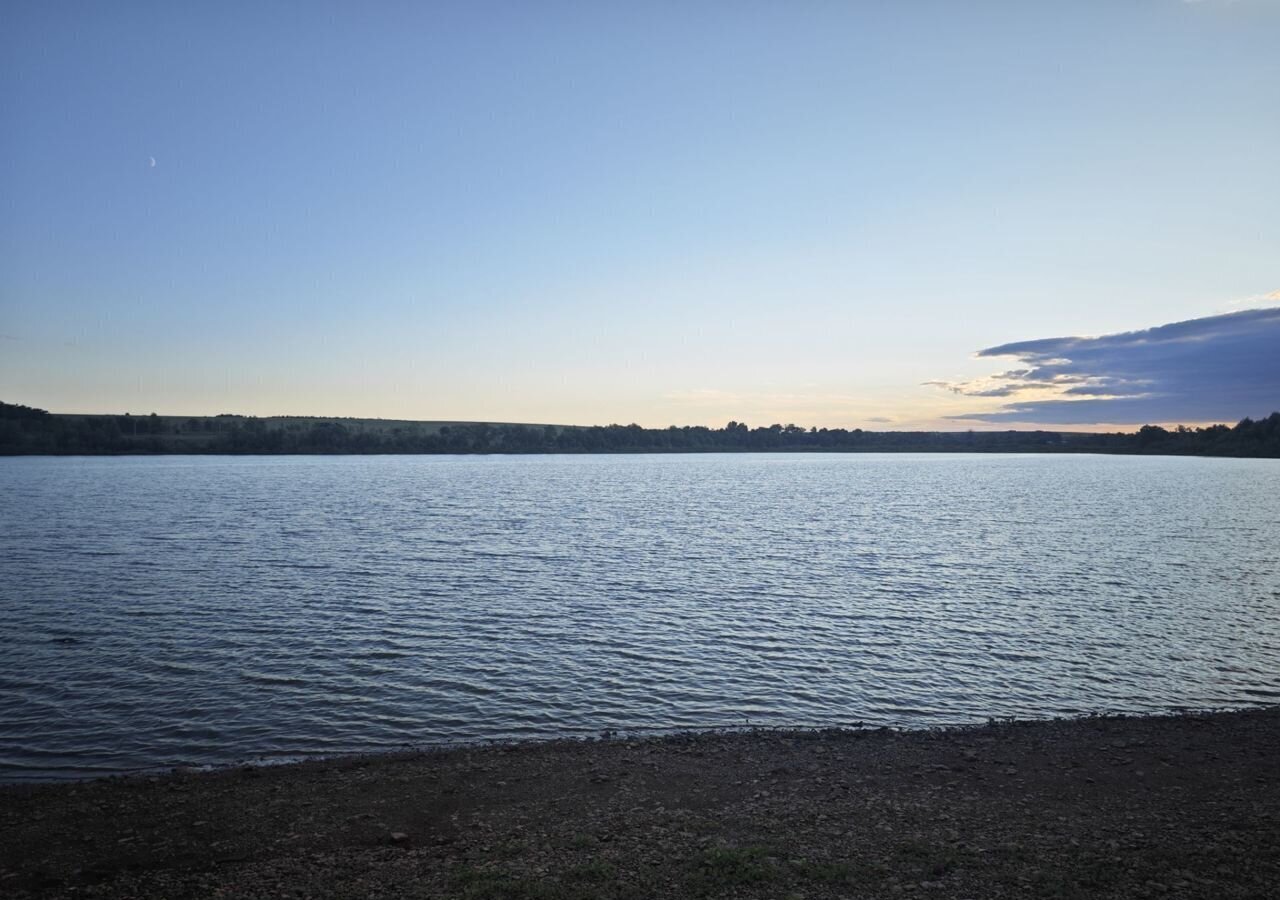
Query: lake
[[207, 610]]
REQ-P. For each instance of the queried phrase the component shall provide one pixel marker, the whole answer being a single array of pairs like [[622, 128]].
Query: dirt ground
[[1178, 806]]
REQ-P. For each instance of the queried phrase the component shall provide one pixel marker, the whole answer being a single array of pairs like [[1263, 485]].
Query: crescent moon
[[151, 161]]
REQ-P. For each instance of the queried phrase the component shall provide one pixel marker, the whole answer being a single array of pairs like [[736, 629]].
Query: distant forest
[[25, 430]]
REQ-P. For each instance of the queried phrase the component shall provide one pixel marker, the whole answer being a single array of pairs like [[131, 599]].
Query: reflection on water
[[207, 610]]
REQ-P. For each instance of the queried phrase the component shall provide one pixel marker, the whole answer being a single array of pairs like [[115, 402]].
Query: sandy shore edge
[[1180, 805]]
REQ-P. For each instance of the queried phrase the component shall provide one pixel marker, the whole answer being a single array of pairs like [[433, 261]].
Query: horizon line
[[1041, 428]]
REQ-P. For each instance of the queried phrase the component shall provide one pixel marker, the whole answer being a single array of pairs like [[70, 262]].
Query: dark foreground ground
[[1183, 806]]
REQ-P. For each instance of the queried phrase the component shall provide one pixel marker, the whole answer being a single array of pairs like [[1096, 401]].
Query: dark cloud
[[1219, 369]]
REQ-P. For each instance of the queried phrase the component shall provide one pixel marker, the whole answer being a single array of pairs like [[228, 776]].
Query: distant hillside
[[25, 430]]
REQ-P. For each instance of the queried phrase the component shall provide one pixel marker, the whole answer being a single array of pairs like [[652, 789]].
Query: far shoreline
[[581, 453], [27, 430]]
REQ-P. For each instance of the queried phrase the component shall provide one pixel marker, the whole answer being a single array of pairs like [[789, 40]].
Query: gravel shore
[[1170, 806]]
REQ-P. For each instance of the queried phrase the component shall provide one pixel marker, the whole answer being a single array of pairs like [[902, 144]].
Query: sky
[[879, 215]]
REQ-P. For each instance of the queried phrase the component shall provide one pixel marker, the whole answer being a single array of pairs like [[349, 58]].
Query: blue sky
[[661, 213]]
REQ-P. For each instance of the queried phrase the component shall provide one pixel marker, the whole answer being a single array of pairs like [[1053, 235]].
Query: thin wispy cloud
[[716, 397], [1218, 368], [1254, 301], [801, 406], [765, 406]]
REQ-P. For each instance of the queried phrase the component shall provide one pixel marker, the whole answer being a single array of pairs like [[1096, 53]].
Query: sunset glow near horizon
[[886, 217]]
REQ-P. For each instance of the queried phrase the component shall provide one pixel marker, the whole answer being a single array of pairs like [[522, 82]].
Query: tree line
[[26, 430]]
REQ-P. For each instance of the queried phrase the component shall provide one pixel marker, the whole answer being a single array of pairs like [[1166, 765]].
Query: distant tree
[[1151, 434]]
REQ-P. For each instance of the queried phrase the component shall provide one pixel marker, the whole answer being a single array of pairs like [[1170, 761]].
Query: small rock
[[398, 837]]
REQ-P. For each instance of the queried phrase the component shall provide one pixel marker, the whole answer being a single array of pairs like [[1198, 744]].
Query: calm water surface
[[205, 610]]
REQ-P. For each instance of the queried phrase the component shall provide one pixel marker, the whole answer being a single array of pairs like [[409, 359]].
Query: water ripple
[[208, 610]]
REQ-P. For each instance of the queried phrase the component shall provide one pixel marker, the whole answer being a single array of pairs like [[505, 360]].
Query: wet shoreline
[[1184, 805]]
